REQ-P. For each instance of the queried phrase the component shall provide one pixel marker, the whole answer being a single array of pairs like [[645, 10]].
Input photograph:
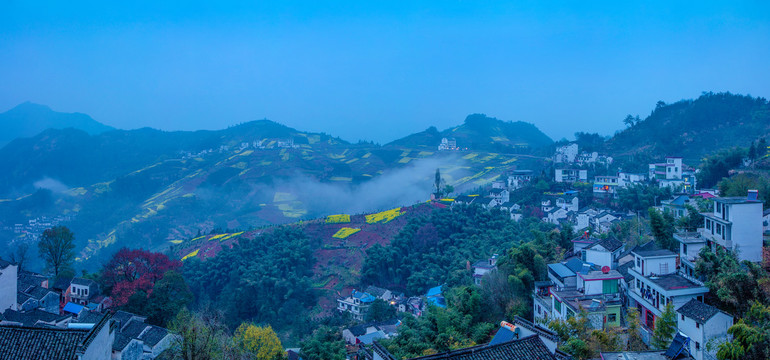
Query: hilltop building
[[448, 144]]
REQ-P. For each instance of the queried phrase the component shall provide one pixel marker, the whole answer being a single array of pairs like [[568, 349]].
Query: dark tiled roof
[[374, 290], [153, 335], [122, 318], [30, 318], [121, 341], [83, 282], [133, 328], [651, 249], [529, 348], [36, 343], [610, 243], [623, 270], [89, 317], [698, 311], [28, 278], [358, 330], [61, 284], [21, 297]]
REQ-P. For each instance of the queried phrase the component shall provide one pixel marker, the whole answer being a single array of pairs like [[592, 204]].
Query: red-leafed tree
[[130, 271]]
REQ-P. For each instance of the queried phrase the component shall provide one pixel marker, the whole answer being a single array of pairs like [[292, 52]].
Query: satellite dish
[[605, 269]]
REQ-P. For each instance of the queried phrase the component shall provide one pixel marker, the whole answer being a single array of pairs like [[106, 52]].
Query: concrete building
[[656, 283], [571, 175], [704, 325]]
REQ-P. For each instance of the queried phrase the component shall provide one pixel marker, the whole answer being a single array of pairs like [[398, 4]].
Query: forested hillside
[[694, 128]]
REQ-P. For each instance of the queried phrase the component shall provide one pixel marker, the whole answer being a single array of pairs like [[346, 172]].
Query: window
[[697, 345], [697, 325], [612, 317], [638, 262], [684, 248], [682, 317], [557, 306], [638, 284], [708, 225]]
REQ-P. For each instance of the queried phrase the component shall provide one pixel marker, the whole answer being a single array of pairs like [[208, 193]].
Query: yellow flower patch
[[384, 216], [176, 241], [194, 253], [345, 232], [217, 237], [230, 236], [338, 219]]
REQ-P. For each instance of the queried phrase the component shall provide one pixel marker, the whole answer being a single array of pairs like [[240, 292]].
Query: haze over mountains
[[147, 187], [29, 119]]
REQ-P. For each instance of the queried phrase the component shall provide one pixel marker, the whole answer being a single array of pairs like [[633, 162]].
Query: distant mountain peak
[[28, 119]]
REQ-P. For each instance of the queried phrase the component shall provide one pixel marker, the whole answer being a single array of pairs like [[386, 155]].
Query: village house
[[657, 283], [626, 179], [135, 339], [448, 144], [677, 205], [672, 173], [703, 324], [604, 252], [483, 267], [566, 154], [498, 196], [597, 292], [517, 179], [570, 175], [383, 294], [8, 286], [81, 291], [89, 343], [567, 200], [735, 224], [357, 304], [605, 186]]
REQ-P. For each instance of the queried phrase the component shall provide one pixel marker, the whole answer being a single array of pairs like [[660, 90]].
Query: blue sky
[[377, 70]]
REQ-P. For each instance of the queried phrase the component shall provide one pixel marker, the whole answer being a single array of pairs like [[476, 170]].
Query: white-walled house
[[626, 179], [604, 252], [483, 267], [736, 224], [518, 178], [656, 283], [8, 285], [566, 154], [571, 175], [705, 325]]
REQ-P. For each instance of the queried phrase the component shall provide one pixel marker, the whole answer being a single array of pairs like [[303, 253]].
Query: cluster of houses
[[448, 144], [358, 302], [69, 319], [30, 231], [570, 154], [245, 145], [606, 280]]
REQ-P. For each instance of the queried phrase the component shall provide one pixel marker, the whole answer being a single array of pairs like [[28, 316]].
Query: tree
[[57, 248], [665, 328], [168, 296], [662, 226], [380, 310], [692, 221], [20, 255], [629, 120], [751, 336], [130, 271], [258, 342], [761, 148], [323, 344], [437, 183], [635, 342], [201, 337]]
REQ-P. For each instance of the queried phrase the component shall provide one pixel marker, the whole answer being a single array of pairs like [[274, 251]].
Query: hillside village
[[599, 278], [572, 257]]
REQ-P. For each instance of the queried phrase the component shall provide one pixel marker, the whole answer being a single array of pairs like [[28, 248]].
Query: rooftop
[[610, 243], [673, 282], [698, 311], [736, 200], [561, 270], [39, 343], [651, 249], [599, 275], [690, 237], [528, 348]]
